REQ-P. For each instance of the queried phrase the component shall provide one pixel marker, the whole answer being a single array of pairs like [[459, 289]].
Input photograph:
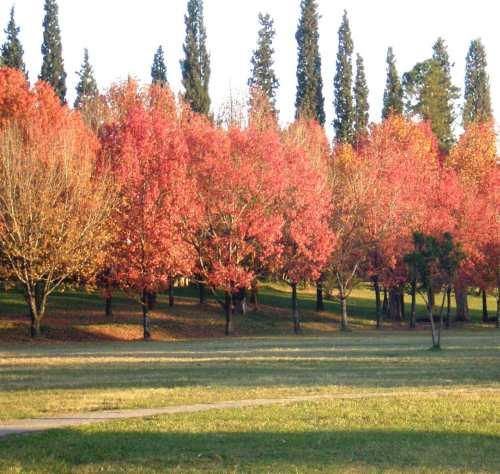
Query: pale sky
[[122, 36]]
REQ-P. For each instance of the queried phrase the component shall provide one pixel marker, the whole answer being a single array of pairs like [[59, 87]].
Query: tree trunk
[[108, 306], [295, 310], [385, 304], [498, 308], [145, 315], [462, 303], [448, 307], [413, 311], [254, 299], [320, 306], [402, 303], [343, 309], [171, 293], [201, 293], [151, 300], [485, 306], [430, 312], [36, 303], [378, 307], [227, 310], [394, 304]]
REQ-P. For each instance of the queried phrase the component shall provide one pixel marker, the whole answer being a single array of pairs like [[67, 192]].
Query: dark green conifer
[[393, 94], [477, 107], [361, 105], [344, 106], [53, 64], [431, 95], [309, 102], [159, 68], [12, 49], [196, 65], [263, 75], [86, 88]]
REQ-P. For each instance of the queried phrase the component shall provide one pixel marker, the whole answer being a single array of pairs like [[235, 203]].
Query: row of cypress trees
[[426, 91]]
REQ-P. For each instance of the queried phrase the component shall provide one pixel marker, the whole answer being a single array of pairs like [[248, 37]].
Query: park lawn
[[418, 433], [47, 379]]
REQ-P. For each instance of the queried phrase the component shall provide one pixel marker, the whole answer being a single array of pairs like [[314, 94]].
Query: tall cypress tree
[[344, 107], [393, 94], [53, 64], [12, 49], [309, 102], [477, 107], [263, 75], [361, 108], [86, 88], [159, 68], [196, 65], [431, 94]]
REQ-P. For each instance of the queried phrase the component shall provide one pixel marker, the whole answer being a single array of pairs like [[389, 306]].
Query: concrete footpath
[[64, 421]]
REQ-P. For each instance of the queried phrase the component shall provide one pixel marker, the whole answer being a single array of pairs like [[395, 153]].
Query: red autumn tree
[[474, 161], [403, 155], [238, 190], [148, 157], [307, 240]]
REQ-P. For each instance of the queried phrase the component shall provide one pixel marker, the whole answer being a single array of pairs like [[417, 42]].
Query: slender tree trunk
[[378, 306], [402, 303], [145, 315], [461, 292], [151, 300], [171, 292], [485, 305], [320, 306], [343, 309], [441, 321], [254, 298], [385, 304], [295, 310], [228, 311], [36, 305], [108, 306], [448, 307], [413, 311], [394, 304], [430, 312], [498, 308], [201, 293]]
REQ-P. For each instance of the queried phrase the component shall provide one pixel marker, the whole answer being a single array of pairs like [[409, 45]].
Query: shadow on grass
[[259, 451]]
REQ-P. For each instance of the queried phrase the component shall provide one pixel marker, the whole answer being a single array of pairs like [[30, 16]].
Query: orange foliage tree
[[54, 204]]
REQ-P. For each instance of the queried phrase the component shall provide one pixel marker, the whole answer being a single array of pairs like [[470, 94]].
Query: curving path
[[64, 421]]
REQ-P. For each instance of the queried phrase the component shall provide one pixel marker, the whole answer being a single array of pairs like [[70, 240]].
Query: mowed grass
[[416, 428], [42, 380]]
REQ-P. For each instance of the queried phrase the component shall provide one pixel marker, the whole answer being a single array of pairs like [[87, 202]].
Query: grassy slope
[[423, 432], [79, 316]]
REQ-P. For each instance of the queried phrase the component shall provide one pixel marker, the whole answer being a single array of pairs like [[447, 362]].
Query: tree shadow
[[152, 450]]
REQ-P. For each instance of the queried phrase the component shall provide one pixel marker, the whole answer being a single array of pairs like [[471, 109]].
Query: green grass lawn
[[417, 432]]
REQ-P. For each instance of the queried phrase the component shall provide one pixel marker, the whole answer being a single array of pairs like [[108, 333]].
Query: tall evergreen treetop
[[477, 107], [309, 102], [263, 75], [393, 94], [87, 85], [196, 65], [431, 94], [12, 49], [53, 64], [344, 108], [159, 68], [361, 108]]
